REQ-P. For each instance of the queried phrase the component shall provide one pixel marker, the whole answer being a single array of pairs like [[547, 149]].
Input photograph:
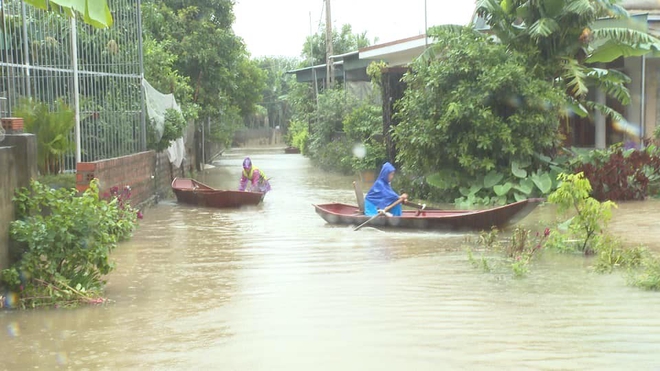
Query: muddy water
[[274, 288]]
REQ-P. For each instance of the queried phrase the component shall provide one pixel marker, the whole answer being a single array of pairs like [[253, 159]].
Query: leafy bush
[[334, 106], [591, 216], [52, 129], [364, 126], [519, 249], [58, 180], [298, 135], [173, 128], [473, 107], [335, 156], [66, 240], [648, 278]]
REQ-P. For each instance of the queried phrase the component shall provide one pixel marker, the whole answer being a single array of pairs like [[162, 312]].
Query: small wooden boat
[[291, 150], [190, 191], [441, 220]]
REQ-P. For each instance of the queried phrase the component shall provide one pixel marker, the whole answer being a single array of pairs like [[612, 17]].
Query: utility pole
[[329, 68], [426, 29]]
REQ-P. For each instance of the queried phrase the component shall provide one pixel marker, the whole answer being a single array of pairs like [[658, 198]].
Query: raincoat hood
[[385, 172], [381, 193], [247, 163]]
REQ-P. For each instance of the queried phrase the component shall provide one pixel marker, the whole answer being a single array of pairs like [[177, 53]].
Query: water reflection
[[273, 287]]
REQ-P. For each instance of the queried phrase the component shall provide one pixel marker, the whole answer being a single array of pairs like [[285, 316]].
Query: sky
[[279, 28]]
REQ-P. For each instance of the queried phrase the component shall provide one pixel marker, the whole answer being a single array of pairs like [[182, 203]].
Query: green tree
[[277, 87], [563, 43], [198, 36], [474, 108], [343, 41]]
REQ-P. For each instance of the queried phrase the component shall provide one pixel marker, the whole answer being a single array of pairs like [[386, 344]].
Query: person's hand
[[404, 197]]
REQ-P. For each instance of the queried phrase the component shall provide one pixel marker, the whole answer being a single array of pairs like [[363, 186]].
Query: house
[[642, 115]]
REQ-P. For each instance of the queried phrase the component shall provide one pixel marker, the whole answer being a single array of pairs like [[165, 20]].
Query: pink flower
[[546, 233], [139, 214]]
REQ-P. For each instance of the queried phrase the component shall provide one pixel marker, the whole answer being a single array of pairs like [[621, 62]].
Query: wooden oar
[[420, 207], [380, 212]]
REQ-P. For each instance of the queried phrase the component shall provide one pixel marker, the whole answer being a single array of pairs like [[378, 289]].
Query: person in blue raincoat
[[381, 194]]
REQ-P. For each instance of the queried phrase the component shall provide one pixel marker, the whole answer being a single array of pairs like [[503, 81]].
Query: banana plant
[[567, 40], [94, 12]]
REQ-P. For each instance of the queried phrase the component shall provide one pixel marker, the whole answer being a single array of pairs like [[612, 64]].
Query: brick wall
[[147, 173]]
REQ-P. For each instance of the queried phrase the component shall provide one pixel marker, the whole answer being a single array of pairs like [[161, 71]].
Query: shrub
[[66, 240], [173, 128]]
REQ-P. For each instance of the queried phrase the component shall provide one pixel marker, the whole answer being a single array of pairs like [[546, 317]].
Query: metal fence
[[97, 72]]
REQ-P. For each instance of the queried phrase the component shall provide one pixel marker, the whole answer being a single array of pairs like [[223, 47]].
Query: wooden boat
[[442, 220], [291, 150], [190, 191]]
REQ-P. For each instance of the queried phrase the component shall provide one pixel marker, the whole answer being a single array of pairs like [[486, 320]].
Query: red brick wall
[[135, 171], [147, 173]]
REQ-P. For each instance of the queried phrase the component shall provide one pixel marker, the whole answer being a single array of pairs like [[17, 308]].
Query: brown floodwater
[[273, 287]]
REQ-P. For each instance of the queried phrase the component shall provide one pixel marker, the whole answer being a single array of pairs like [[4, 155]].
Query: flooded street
[[274, 288]]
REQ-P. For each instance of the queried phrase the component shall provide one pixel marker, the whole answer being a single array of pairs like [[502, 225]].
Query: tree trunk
[[393, 89]]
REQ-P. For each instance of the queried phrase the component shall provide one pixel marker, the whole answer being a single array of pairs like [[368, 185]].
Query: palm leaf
[[578, 7], [574, 77], [576, 107], [626, 36], [544, 27], [614, 42], [605, 110], [612, 82]]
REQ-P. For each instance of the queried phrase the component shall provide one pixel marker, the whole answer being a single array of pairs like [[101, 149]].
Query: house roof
[[398, 52]]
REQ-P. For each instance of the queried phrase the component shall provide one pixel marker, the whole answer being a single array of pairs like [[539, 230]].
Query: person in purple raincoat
[[254, 177]]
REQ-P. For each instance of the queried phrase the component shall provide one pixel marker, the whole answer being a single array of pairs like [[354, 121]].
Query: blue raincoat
[[381, 194]]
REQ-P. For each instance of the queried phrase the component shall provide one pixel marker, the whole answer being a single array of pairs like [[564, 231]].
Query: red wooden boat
[[442, 220], [190, 191], [291, 150]]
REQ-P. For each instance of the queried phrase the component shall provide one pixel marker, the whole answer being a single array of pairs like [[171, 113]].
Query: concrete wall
[[258, 137], [18, 165]]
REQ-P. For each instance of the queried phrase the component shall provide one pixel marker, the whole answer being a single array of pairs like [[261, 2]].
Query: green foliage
[[229, 121], [519, 249], [562, 39], [277, 87], [173, 128], [477, 120], [159, 70], [298, 136], [199, 41], [375, 71], [612, 254], [364, 126], [58, 180], [52, 129], [343, 41], [334, 106], [648, 277], [591, 216], [335, 156], [364, 122], [302, 100], [66, 242], [93, 12]]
